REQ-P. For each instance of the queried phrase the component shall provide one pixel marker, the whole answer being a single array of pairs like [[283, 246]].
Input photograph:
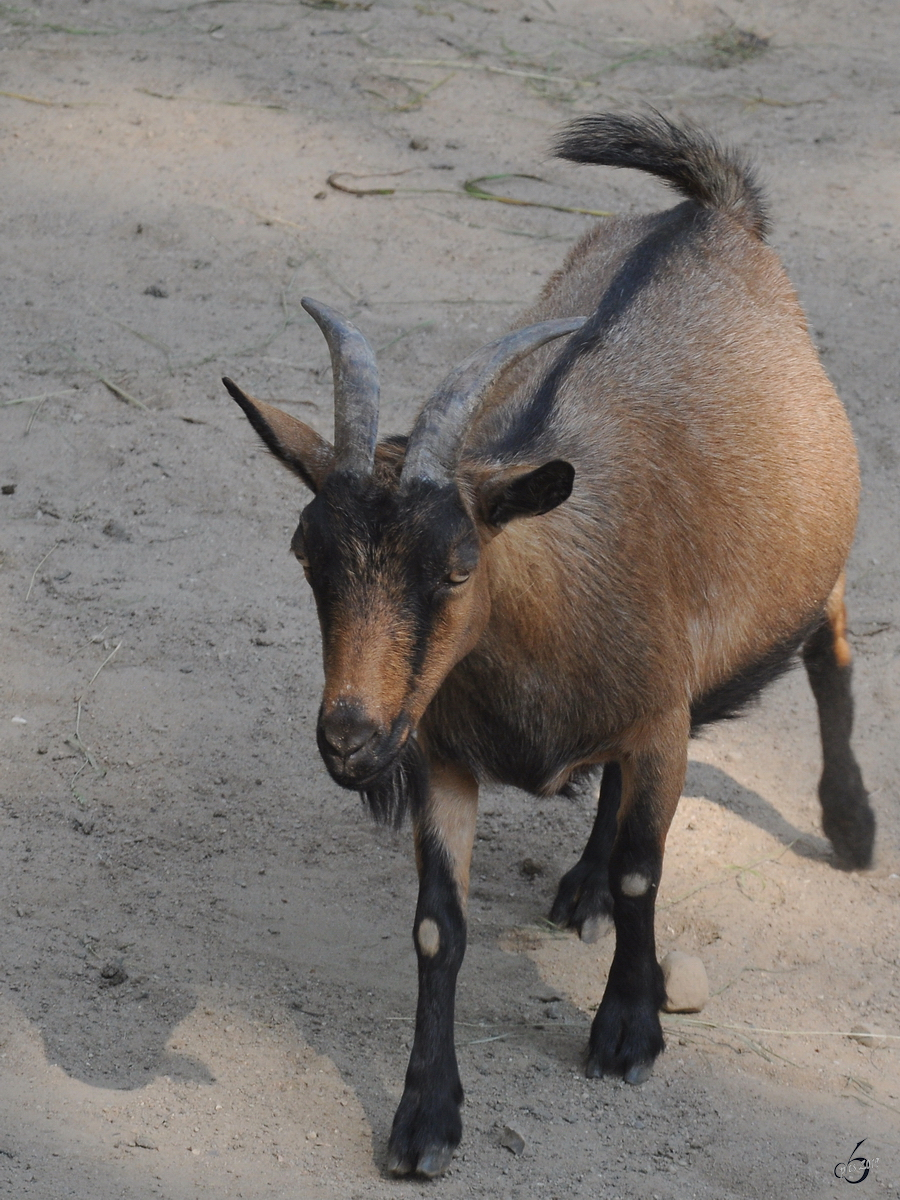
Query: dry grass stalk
[[38, 567], [472, 188]]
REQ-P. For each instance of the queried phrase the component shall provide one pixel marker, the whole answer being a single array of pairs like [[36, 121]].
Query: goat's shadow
[[107, 1047], [714, 784], [109, 1036]]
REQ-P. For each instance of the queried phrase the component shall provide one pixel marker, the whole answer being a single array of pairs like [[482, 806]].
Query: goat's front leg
[[427, 1126], [626, 1035]]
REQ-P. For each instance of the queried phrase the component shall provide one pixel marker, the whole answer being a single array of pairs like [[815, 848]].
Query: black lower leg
[[847, 817], [583, 900], [626, 1035], [427, 1126]]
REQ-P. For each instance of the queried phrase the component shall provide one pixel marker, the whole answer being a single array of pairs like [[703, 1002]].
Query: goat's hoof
[[639, 1073], [583, 901], [594, 928], [626, 1035], [849, 824], [594, 1068], [433, 1161], [425, 1135], [399, 1166]]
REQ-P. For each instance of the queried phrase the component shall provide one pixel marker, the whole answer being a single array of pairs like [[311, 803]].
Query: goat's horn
[[437, 436], [355, 389]]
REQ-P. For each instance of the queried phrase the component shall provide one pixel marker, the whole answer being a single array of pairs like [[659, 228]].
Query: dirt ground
[[206, 969]]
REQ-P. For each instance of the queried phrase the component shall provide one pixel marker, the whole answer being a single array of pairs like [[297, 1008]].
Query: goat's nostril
[[346, 732]]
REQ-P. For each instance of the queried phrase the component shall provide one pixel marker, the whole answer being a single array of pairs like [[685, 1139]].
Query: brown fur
[[529, 634], [716, 485], [450, 816]]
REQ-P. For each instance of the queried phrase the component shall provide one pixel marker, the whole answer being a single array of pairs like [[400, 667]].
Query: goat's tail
[[686, 158]]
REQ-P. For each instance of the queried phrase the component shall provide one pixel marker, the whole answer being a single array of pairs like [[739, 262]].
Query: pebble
[[687, 988], [113, 974], [512, 1140], [545, 994], [530, 868], [867, 1035]]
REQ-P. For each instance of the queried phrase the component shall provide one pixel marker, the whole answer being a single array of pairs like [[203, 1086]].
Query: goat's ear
[[293, 443], [524, 493]]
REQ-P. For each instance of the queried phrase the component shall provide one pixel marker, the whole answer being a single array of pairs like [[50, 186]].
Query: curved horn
[[436, 439], [355, 389]]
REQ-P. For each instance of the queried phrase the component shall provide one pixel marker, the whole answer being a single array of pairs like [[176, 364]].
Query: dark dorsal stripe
[[670, 233]]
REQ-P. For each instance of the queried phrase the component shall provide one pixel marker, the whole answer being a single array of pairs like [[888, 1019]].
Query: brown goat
[[580, 555]]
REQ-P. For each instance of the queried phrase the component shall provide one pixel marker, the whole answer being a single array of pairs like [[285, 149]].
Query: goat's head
[[392, 545]]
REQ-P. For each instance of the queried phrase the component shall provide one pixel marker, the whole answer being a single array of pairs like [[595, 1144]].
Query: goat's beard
[[401, 787]]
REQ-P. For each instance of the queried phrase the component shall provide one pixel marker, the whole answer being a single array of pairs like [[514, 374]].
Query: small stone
[[320, 196], [512, 1140], [417, 143], [145, 1143], [8, 489], [530, 868], [687, 987], [546, 995], [554, 1011], [867, 1035], [112, 974], [157, 290]]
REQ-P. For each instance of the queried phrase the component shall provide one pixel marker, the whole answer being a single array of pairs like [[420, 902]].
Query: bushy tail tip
[[686, 158]]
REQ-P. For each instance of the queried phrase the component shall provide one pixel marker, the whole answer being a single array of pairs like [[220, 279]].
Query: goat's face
[[395, 559], [401, 596]]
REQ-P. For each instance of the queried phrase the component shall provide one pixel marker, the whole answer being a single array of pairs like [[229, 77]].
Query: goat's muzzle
[[355, 748]]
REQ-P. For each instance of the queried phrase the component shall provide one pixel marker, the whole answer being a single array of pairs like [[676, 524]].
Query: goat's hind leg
[[847, 817], [427, 1126], [583, 900]]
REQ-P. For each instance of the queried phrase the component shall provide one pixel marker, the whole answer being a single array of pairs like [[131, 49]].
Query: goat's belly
[[535, 750]]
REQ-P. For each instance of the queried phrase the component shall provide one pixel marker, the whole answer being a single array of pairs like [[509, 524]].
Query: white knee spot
[[429, 937], [635, 885]]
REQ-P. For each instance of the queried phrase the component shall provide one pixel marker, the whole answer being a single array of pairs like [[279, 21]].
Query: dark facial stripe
[[671, 232]]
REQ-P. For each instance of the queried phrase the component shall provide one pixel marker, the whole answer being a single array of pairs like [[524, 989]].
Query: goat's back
[[716, 478]]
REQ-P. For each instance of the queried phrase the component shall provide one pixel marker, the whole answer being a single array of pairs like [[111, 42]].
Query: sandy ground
[[206, 971]]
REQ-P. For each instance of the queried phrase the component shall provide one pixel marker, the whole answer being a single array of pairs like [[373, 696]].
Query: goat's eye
[[298, 549], [455, 578]]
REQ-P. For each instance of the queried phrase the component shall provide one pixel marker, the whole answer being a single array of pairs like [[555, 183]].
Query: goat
[[582, 553]]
